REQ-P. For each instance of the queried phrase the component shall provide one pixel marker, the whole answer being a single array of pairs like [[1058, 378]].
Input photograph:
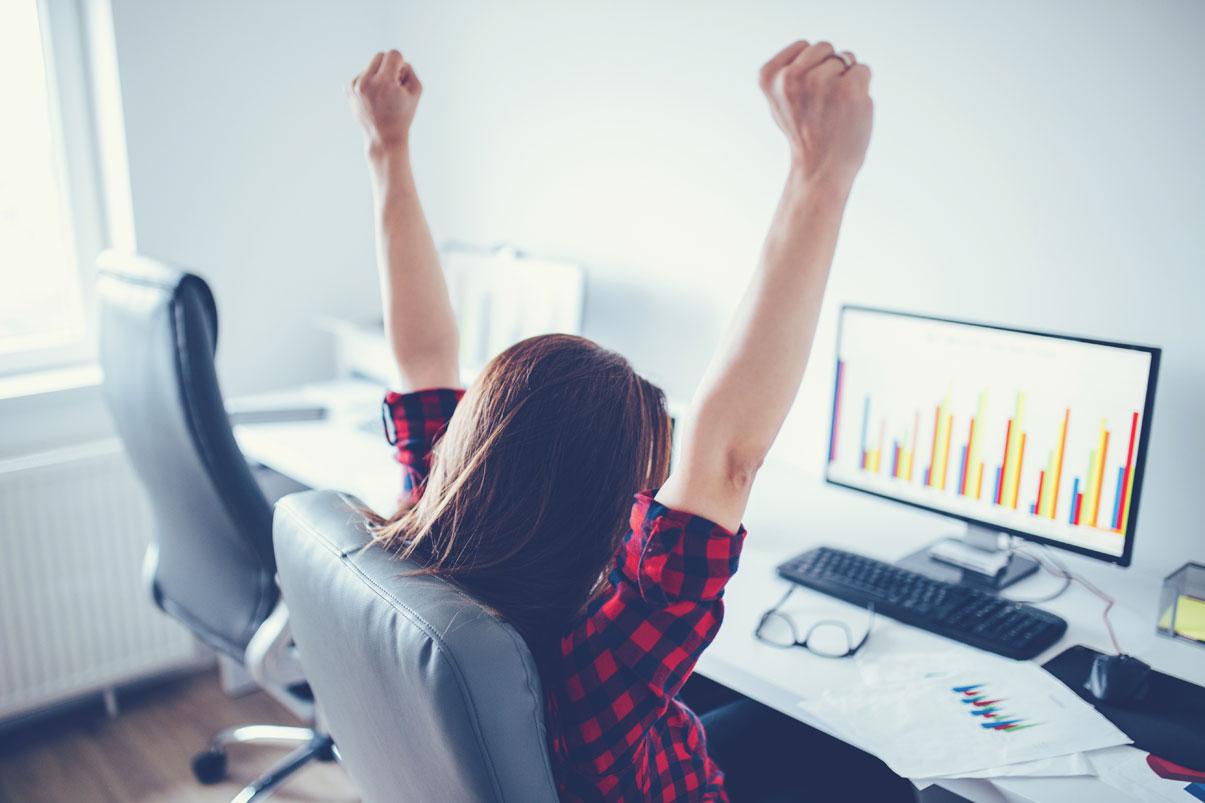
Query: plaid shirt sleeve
[[619, 732], [413, 423]]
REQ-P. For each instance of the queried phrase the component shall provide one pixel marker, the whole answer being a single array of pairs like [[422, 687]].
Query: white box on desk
[[500, 297]]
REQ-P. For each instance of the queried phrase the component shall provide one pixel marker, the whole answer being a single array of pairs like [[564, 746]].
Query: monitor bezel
[[1155, 352]]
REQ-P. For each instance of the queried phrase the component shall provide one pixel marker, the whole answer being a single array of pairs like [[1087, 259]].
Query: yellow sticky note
[[1190, 618]]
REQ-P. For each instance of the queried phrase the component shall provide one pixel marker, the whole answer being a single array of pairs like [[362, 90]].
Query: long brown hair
[[530, 487]]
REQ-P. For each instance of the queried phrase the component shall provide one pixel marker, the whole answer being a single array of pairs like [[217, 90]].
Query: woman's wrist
[[391, 172], [388, 155], [824, 183]]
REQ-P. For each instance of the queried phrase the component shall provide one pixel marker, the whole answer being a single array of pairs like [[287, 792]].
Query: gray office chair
[[429, 696], [211, 564]]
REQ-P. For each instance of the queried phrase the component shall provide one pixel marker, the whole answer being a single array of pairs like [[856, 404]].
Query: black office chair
[[211, 564]]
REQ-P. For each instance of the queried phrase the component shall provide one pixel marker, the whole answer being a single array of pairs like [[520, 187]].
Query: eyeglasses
[[829, 638]]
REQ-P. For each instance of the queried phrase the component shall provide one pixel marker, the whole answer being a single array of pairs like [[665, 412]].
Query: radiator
[[75, 617]]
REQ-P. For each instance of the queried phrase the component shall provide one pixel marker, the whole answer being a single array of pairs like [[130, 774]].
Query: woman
[[526, 499]]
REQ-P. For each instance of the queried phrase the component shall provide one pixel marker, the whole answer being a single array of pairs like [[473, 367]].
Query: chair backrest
[[213, 527], [427, 695]]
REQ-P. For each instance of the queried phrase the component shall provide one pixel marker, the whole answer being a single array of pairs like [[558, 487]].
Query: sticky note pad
[[1190, 618]]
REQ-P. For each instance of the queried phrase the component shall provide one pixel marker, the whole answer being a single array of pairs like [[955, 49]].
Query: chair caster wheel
[[209, 767], [326, 752]]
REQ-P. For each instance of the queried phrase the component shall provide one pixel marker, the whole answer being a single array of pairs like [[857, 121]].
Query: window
[[51, 227]]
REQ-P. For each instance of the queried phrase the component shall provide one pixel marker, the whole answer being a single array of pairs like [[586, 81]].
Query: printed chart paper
[[1071, 765], [967, 716]]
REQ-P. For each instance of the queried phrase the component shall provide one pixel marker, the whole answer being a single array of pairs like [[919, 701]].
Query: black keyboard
[[983, 620]]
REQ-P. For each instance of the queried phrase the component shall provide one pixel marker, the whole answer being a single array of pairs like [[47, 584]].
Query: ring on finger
[[846, 63]]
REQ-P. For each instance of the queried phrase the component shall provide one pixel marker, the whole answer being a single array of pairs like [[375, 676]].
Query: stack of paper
[[1146, 778], [966, 714]]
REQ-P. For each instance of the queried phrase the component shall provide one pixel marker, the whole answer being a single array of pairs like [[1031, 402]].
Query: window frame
[[89, 146]]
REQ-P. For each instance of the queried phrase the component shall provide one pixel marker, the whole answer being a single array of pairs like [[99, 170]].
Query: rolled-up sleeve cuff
[[417, 418], [673, 555]]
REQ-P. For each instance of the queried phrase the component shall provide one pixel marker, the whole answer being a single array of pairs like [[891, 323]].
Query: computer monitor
[[1033, 434]]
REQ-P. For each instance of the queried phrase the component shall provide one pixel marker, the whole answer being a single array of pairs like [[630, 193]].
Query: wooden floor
[[144, 754]]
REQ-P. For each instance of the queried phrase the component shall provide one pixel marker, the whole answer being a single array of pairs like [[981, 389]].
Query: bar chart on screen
[[1035, 433]]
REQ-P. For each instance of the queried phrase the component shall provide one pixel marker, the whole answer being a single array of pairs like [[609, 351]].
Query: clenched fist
[[821, 101], [384, 98]]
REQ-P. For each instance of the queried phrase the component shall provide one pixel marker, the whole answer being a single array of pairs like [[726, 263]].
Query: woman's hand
[[384, 98], [821, 101]]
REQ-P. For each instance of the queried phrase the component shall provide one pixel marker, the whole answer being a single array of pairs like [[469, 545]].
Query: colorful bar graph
[[912, 449], [1100, 471], [1124, 516], [1008, 436], [1058, 464], [1090, 486], [1090, 481], [1017, 472], [837, 385], [1012, 449], [933, 450], [865, 425], [947, 432], [1121, 479], [988, 710], [976, 436], [964, 470], [1100, 496], [1075, 496], [878, 450]]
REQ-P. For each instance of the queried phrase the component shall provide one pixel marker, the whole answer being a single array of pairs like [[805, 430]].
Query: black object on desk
[[1118, 679], [1169, 720], [974, 617]]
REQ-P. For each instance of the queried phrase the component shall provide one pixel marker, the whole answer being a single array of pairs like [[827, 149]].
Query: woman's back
[[612, 678], [526, 499]]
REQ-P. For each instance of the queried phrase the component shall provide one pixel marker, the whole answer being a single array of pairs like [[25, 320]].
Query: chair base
[[209, 766]]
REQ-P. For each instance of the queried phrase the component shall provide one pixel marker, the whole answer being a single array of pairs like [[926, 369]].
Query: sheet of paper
[[950, 715], [1066, 766], [1127, 771]]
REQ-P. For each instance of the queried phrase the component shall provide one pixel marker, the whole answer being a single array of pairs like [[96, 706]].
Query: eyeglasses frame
[[797, 642]]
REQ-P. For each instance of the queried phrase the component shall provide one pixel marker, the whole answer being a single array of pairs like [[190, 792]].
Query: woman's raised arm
[[418, 312], [820, 100]]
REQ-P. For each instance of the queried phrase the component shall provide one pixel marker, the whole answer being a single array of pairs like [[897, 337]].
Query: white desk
[[788, 513], [346, 450]]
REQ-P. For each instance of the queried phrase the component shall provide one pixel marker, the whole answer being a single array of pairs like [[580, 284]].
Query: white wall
[[246, 166], [1034, 164]]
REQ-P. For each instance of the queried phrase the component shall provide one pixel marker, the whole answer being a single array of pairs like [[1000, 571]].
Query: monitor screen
[[1038, 435]]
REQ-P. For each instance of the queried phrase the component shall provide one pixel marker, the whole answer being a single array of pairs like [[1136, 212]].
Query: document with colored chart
[[961, 717]]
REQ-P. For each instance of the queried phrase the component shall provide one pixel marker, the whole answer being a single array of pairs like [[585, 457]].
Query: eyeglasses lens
[[776, 629], [830, 639]]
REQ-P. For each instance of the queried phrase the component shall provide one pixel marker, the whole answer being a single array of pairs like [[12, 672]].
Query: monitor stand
[[976, 560]]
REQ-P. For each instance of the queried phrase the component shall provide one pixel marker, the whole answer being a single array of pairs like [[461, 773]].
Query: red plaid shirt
[[616, 730]]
